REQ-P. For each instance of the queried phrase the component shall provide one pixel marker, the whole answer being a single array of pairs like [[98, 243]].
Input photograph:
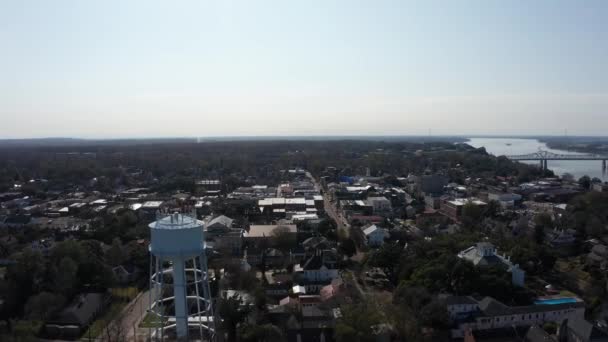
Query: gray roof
[[313, 263], [473, 256], [222, 220], [537, 334], [491, 307], [484, 245], [459, 300], [82, 310], [600, 250], [584, 330]]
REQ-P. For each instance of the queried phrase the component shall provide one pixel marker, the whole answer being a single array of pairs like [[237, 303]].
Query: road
[[124, 327], [132, 316], [331, 209]]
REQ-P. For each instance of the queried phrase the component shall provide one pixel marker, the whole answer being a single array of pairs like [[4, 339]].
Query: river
[[505, 146]]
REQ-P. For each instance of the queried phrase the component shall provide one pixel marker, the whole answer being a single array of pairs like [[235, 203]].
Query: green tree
[[542, 222], [283, 239], [412, 297], [387, 258], [585, 182], [434, 315], [233, 312], [347, 247], [43, 305], [471, 215], [65, 277], [115, 255], [356, 323], [261, 333], [492, 209], [463, 277], [23, 279]]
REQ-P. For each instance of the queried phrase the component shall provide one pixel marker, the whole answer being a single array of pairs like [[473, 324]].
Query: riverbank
[[591, 145], [515, 146]]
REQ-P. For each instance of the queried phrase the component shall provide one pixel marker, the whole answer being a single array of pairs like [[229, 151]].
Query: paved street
[[128, 320], [133, 314], [331, 209]]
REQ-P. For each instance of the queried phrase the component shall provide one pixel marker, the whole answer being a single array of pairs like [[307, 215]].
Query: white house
[[221, 223], [484, 254], [374, 236], [488, 314], [380, 205], [506, 200], [316, 272]]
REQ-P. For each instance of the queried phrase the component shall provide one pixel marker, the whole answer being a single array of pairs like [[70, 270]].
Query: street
[[331, 210]]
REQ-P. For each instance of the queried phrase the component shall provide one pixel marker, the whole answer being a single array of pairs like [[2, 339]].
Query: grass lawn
[[124, 293], [96, 328], [572, 273], [150, 321], [121, 296]]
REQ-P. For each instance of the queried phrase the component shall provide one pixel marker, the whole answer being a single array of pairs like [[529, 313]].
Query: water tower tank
[[179, 284]]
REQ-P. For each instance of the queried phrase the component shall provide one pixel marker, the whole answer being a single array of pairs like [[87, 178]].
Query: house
[[538, 334], [230, 241], [452, 208], [561, 238], [207, 185], [431, 184], [290, 301], [258, 234], [317, 271], [220, 223], [278, 289], [380, 205], [149, 208], [460, 306], [331, 291], [316, 242], [298, 290], [125, 274], [506, 200], [484, 254], [44, 246], [243, 297], [432, 201], [16, 221], [366, 219], [599, 187], [297, 254], [72, 321], [374, 236], [275, 258], [577, 329], [253, 255], [489, 314]]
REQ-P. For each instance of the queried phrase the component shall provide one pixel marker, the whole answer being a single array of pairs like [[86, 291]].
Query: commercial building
[[467, 313], [452, 208]]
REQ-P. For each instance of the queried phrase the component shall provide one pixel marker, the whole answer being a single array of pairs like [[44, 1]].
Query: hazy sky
[[147, 68]]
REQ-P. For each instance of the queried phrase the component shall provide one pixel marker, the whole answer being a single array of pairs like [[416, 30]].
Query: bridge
[[544, 156]]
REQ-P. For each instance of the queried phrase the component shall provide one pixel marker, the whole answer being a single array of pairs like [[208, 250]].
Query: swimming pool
[[554, 301]]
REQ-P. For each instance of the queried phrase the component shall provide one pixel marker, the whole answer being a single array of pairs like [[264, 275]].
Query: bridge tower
[[179, 285]]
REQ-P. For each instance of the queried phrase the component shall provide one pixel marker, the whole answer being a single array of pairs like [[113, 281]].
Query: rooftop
[[257, 231]]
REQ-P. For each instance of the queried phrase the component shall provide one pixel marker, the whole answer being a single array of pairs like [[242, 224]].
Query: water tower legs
[[179, 291]]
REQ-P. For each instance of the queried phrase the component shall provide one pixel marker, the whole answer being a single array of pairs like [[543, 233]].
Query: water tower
[[179, 283]]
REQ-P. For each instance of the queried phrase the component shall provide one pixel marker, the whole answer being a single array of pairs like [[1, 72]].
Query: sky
[[116, 69]]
